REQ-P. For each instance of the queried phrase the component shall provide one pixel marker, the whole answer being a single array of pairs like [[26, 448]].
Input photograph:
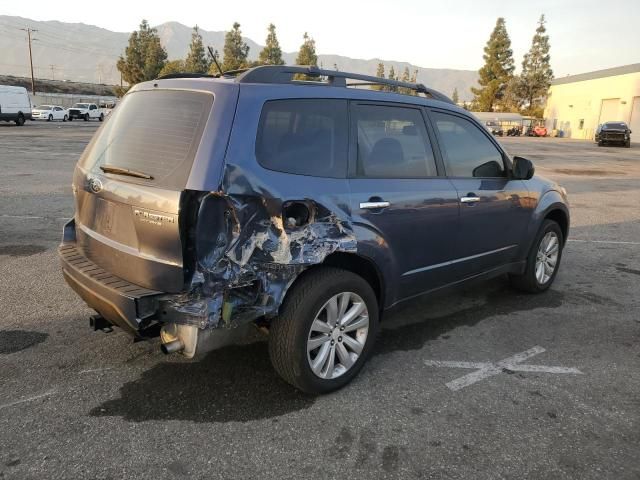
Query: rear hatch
[[129, 183]]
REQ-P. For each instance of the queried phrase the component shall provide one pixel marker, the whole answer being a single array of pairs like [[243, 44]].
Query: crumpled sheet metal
[[247, 258]]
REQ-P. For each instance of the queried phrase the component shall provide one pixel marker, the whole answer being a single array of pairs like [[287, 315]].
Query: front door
[[493, 209], [398, 196]]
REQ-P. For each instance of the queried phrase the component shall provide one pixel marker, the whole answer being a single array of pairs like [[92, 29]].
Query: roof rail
[[286, 74], [185, 75]]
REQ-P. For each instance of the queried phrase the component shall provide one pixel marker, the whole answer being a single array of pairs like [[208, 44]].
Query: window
[[466, 149], [393, 143], [304, 136], [581, 124]]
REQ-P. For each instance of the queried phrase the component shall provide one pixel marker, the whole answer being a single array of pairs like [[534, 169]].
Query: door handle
[[469, 199], [373, 205]]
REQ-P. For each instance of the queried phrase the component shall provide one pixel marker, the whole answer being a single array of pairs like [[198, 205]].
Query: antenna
[[215, 60]]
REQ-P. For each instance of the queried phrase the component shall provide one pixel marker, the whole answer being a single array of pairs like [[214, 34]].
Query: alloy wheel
[[338, 335], [547, 257]]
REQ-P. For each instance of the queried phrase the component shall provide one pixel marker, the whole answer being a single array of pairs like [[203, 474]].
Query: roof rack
[[286, 74]]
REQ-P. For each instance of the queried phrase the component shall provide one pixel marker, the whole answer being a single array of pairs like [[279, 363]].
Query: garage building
[[577, 104]]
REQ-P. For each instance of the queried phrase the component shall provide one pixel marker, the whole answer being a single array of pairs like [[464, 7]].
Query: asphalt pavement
[[481, 383]]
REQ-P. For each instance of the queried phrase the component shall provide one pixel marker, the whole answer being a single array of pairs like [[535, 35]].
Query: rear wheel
[[65, 118], [49, 118], [20, 120], [543, 260], [86, 117], [325, 331]]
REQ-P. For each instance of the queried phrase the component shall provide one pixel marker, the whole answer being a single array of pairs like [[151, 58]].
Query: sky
[[585, 35]]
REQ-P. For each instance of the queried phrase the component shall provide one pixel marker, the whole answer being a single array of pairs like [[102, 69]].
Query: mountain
[[75, 51]]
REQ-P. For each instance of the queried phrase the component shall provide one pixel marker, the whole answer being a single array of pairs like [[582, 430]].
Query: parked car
[[613, 132], [86, 112], [15, 104], [495, 128], [50, 113], [307, 208]]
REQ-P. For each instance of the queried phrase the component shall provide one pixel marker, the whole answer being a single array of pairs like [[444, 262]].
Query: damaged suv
[[282, 197]]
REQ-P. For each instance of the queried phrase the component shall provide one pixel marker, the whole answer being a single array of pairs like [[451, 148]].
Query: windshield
[[615, 125], [81, 105], [153, 132]]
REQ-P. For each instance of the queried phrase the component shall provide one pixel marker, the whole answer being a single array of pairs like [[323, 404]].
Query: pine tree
[[536, 70], [144, 56], [406, 77], [497, 70], [173, 66], [235, 50], [307, 54], [454, 96], [197, 60], [379, 74], [271, 54], [391, 76]]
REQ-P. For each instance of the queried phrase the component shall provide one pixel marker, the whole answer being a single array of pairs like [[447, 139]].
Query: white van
[[15, 104]]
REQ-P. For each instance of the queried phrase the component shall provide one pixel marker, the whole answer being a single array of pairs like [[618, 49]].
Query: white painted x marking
[[487, 369]]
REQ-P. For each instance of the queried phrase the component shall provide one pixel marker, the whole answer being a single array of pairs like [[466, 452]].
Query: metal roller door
[[610, 111]]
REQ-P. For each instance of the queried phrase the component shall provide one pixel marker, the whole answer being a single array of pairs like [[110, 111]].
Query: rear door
[[493, 209], [129, 182], [397, 194]]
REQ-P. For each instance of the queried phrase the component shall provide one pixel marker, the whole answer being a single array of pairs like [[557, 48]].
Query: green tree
[[497, 70], [271, 54], [537, 74], [197, 60], [379, 74], [307, 53], [455, 98], [235, 50], [173, 66], [406, 77], [144, 56], [392, 76]]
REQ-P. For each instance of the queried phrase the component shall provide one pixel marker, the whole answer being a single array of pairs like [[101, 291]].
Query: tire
[[86, 117], [71, 119], [529, 281], [600, 143], [65, 118], [101, 118], [291, 331], [49, 118], [627, 144], [20, 120]]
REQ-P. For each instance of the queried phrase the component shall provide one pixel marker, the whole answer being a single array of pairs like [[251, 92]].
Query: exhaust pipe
[[172, 347]]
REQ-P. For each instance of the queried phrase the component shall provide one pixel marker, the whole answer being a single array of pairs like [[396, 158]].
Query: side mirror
[[523, 168]]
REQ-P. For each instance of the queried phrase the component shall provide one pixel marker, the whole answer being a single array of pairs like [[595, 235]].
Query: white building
[[577, 104]]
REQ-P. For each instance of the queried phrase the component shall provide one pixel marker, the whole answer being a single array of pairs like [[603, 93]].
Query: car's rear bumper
[[120, 302]]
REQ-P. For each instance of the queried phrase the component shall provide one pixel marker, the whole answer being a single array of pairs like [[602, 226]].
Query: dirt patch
[[12, 341], [21, 250], [587, 172]]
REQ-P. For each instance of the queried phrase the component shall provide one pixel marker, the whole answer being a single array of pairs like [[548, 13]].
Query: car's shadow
[[237, 383]]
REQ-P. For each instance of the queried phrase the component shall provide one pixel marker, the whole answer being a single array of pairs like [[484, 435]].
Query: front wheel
[[65, 118], [325, 331], [543, 260], [49, 118]]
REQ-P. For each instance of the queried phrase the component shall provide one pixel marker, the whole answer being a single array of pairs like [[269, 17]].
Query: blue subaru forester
[[303, 201]]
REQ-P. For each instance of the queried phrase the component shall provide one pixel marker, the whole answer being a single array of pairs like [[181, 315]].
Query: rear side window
[[467, 150], [392, 143], [304, 136], [155, 132]]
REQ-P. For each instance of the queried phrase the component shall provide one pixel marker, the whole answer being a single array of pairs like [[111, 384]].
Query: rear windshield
[[153, 132]]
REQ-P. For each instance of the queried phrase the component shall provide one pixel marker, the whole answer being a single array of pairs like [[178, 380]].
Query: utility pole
[[53, 73], [33, 81]]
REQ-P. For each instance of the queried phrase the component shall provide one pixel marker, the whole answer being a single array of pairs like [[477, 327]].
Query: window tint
[[466, 149], [393, 143], [304, 136]]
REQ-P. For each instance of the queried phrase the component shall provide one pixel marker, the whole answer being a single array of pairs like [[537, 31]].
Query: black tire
[[71, 119], [600, 143], [527, 282], [288, 333], [49, 118], [627, 144], [20, 120], [86, 117], [101, 118], [65, 118]]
